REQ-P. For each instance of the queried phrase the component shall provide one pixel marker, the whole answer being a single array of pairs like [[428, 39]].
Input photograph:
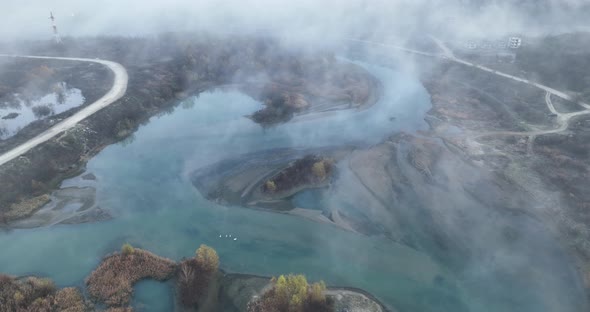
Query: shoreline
[[328, 288]]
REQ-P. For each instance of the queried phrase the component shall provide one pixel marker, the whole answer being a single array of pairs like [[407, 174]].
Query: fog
[[310, 19], [313, 23]]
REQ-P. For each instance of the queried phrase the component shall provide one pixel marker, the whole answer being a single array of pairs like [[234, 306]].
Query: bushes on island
[[112, 282], [319, 169], [270, 186], [292, 293], [309, 171], [33, 294], [195, 275], [127, 249]]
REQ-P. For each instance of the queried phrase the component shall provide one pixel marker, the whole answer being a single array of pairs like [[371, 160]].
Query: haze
[[300, 19]]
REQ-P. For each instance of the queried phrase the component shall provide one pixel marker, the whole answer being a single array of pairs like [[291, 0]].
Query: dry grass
[[70, 300], [127, 309], [112, 282], [34, 294], [26, 208]]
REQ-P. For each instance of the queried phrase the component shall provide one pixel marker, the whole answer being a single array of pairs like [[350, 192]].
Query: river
[[144, 182]]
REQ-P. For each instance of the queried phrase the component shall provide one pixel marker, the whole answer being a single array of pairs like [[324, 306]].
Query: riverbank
[[112, 284], [158, 80]]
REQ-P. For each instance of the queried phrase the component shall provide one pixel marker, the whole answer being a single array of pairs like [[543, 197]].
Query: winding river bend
[[144, 183]]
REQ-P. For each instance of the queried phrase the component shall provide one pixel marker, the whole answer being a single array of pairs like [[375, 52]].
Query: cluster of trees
[[310, 169], [270, 186], [127, 249], [319, 169], [292, 293], [195, 275]]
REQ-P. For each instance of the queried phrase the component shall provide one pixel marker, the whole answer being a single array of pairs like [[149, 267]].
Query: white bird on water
[[228, 235]]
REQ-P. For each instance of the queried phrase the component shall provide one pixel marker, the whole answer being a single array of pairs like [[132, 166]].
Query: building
[[514, 42]]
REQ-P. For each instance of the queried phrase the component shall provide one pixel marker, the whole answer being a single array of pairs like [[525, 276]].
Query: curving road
[[117, 91], [448, 55], [563, 119]]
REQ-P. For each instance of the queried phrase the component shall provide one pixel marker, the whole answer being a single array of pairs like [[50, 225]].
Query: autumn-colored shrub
[[112, 282], [195, 275], [207, 258], [127, 249], [319, 170], [270, 186], [292, 293]]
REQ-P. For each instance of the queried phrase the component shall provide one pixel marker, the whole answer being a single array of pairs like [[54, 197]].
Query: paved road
[[116, 92]]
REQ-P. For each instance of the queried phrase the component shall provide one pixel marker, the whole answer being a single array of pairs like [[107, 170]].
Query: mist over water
[[144, 182], [145, 185]]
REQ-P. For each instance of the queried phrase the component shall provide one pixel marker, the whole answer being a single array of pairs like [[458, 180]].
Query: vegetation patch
[[112, 282], [311, 170], [292, 293], [24, 208], [195, 275], [296, 85], [33, 294]]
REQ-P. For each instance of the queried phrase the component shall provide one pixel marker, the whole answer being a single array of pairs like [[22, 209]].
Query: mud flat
[[243, 181], [70, 205]]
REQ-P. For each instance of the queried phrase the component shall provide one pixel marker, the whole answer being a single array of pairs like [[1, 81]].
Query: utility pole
[[56, 36]]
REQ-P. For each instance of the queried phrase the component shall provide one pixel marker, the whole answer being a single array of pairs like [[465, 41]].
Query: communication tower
[[56, 36]]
